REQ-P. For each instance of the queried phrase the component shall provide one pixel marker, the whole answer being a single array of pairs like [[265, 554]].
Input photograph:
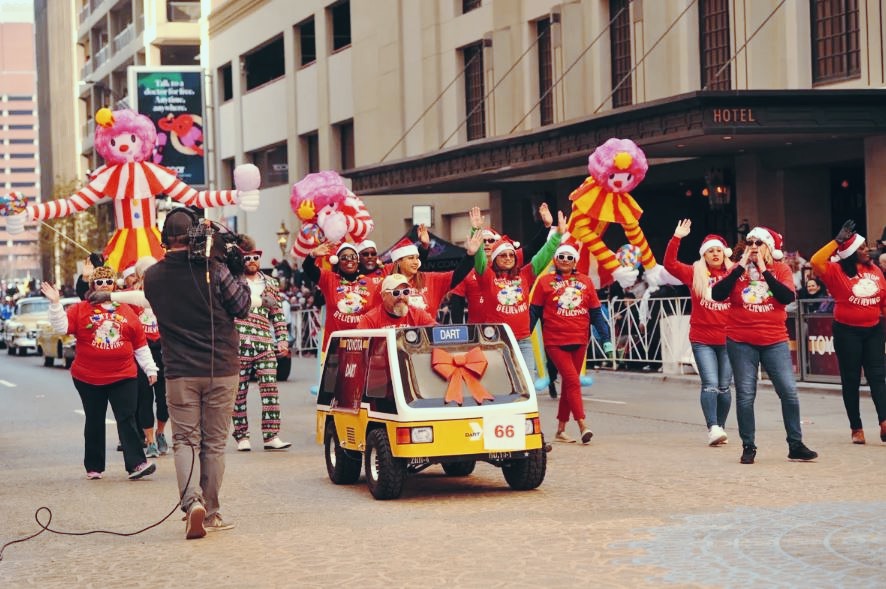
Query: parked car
[[397, 401], [56, 346], [21, 329]]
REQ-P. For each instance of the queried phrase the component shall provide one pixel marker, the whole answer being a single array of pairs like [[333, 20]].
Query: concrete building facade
[[761, 110]]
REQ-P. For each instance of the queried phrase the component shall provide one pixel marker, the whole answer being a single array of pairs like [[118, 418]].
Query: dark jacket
[[196, 319]]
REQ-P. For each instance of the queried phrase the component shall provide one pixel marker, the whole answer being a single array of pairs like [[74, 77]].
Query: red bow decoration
[[467, 368]]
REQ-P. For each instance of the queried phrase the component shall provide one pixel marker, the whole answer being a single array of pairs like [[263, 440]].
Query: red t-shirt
[[377, 317], [346, 301], [470, 290], [756, 318], [149, 322], [427, 298], [566, 303], [508, 299], [859, 300], [106, 342], [707, 322]]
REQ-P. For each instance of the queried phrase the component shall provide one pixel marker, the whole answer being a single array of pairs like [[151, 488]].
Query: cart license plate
[[499, 455]]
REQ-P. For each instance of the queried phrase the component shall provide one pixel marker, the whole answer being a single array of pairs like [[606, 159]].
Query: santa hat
[[143, 263], [128, 271], [714, 240], [490, 233], [568, 247], [850, 246], [503, 244], [366, 244], [771, 238], [333, 259], [403, 248]]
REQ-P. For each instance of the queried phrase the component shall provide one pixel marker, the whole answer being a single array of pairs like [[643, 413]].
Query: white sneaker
[[244, 445], [276, 443], [716, 436]]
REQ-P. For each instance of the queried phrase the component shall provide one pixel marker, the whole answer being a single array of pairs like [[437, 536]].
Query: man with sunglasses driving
[[263, 337], [395, 310]]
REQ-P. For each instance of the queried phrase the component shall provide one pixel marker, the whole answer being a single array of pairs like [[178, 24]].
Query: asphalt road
[[646, 504]]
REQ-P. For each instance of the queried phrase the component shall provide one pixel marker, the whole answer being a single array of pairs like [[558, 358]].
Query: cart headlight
[[415, 435], [490, 333]]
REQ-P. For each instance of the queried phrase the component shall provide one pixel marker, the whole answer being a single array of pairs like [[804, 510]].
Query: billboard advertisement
[[172, 97]]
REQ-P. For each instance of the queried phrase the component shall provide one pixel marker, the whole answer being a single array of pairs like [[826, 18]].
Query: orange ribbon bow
[[467, 368]]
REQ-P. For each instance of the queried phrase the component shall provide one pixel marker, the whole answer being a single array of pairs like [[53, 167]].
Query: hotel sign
[[734, 116]]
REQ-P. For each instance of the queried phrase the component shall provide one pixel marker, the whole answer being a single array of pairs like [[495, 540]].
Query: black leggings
[[857, 348], [147, 393], [122, 397]]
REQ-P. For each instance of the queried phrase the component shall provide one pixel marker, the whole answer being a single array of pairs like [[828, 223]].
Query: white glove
[[658, 276], [248, 200], [16, 223], [625, 276]]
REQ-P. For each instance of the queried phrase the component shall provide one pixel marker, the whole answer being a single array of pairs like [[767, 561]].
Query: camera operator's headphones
[[195, 222]]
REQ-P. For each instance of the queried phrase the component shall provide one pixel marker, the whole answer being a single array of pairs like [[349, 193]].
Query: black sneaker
[[748, 454], [552, 390], [799, 451]]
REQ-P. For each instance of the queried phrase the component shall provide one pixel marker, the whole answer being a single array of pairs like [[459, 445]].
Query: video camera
[[211, 240]]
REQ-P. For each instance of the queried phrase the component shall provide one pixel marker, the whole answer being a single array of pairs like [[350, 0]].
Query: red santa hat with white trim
[[503, 244], [403, 248], [850, 246], [366, 244], [333, 259], [773, 239], [569, 246], [714, 240]]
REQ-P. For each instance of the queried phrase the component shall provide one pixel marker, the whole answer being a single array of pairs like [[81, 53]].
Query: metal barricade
[[304, 329]]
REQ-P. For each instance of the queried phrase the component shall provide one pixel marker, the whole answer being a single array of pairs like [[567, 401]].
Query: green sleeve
[[546, 253], [480, 261]]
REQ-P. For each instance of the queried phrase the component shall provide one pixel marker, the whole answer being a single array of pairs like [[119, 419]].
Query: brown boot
[[858, 436], [883, 431]]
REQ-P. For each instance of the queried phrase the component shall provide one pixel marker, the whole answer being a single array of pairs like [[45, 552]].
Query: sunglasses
[[369, 254], [348, 258], [507, 255], [103, 281], [251, 258], [757, 243], [489, 240], [566, 257], [400, 291]]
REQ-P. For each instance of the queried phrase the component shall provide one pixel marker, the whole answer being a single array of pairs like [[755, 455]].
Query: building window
[[273, 163], [620, 47], [227, 171], [545, 71], [15, 98], [22, 156], [20, 127], [310, 148], [475, 108], [179, 55], [341, 25], [469, 5], [21, 112], [183, 11], [23, 170], [264, 64], [307, 42], [345, 137], [22, 141], [713, 26], [835, 47], [226, 82]]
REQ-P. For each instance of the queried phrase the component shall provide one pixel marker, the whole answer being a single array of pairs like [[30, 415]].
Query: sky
[[17, 11]]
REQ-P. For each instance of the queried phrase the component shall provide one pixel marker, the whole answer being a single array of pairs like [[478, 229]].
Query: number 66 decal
[[506, 432]]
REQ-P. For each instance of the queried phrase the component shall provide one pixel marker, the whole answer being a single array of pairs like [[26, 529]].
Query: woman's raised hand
[[683, 228], [474, 243], [50, 292], [562, 223]]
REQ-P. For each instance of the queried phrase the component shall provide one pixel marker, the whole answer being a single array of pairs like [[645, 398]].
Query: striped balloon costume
[[616, 167]]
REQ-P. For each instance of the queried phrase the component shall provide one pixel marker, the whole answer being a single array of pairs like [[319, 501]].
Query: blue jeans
[[528, 354], [716, 373], [776, 360]]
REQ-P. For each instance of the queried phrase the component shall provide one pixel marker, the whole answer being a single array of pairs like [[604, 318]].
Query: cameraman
[[196, 302]]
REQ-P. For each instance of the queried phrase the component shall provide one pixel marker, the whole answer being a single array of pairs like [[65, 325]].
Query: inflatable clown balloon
[[125, 140]]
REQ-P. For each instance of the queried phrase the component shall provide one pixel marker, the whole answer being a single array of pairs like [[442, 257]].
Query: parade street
[[646, 504]]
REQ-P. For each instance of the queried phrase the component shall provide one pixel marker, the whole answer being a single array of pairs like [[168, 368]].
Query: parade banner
[[172, 97], [820, 356]]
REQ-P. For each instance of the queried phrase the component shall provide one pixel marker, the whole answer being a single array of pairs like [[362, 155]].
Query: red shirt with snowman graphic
[[566, 304], [346, 300], [107, 337], [149, 322], [858, 301], [508, 299], [756, 317]]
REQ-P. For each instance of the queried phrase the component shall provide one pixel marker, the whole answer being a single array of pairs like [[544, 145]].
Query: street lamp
[[283, 238]]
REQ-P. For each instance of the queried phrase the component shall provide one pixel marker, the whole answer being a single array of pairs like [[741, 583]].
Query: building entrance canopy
[[699, 124]]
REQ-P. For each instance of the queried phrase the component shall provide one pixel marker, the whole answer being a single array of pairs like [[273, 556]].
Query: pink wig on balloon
[[618, 156], [126, 121], [320, 189]]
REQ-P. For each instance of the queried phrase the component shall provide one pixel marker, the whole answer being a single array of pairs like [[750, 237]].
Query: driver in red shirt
[[395, 310]]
